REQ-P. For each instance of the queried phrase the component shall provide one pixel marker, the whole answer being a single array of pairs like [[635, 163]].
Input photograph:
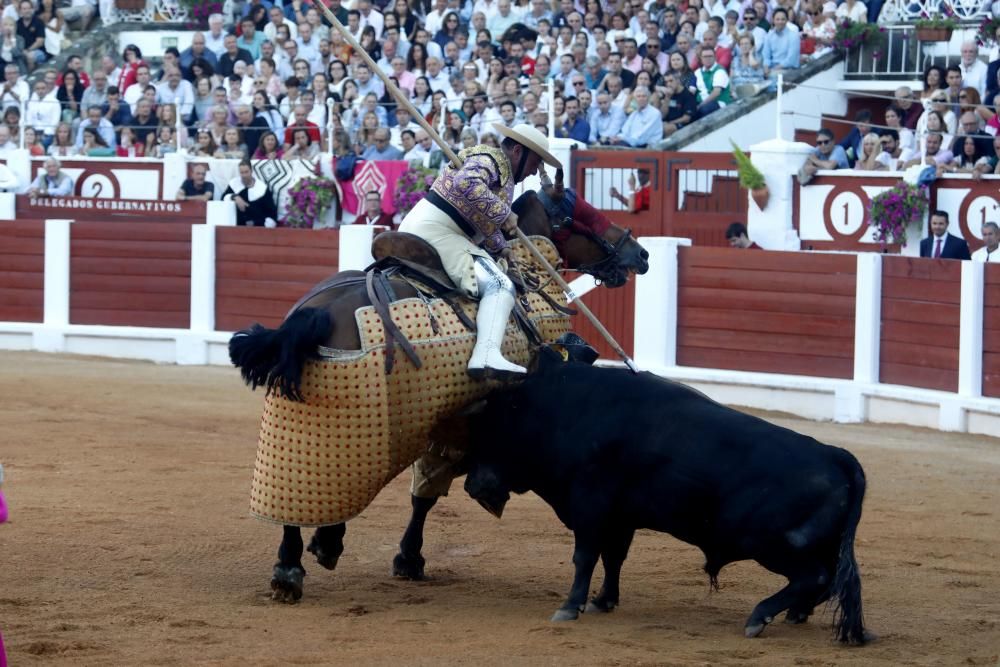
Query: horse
[[286, 362]]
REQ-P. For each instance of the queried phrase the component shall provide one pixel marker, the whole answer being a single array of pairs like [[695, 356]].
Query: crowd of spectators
[[277, 81], [952, 125]]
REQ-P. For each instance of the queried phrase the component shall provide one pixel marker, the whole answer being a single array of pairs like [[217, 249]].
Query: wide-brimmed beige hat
[[531, 139]]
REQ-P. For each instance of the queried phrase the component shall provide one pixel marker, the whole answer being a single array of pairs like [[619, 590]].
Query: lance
[[404, 102]]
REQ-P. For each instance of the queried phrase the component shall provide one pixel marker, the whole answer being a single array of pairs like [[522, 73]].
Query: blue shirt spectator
[[575, 127], [781, 45], [381, 149], [644, 126], [606, 120]]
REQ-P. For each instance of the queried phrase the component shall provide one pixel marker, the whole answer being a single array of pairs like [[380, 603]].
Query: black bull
[[613, 452]]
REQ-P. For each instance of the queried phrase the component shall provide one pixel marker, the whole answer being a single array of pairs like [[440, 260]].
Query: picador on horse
[[345, 412]]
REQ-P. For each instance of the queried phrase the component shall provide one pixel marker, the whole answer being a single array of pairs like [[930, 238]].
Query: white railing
[[898, 53], [163, 11], [972, 11]]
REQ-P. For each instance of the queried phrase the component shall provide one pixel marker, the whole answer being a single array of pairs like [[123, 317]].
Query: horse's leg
[[408, 563], [327, 544], [286, 583]]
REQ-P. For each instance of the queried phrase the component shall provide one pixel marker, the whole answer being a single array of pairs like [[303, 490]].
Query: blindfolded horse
[[343, 416]]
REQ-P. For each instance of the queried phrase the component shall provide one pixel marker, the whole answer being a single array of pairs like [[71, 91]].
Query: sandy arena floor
[[130, 544]]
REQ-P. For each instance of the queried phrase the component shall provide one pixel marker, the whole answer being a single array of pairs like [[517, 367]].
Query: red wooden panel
[[22, 270], [789, 302], [768, 260], [991, 331], [749, 321], [918, 376], [615, 308], [774, 312], [823, 346], [261, 273], [920, 316], [131, 273], [920, 333], [774, 281], [131, 318], [766, 362], [901, 310]]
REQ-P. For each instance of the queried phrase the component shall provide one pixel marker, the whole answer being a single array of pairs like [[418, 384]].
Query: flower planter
[[760, 196], [934, 34], [130, 5]]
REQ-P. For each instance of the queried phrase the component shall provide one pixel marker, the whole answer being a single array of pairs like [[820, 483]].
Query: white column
[[8, 206], [192, 347], [655, 343], [50, 338], [220, 214], [970, 331], [850, 403], [19, 162], [356, 247], [778, 160], [202, 278], [175, 170], [867, 317]]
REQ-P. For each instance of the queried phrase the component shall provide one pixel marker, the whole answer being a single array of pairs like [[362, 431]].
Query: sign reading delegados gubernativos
[[124, 205]]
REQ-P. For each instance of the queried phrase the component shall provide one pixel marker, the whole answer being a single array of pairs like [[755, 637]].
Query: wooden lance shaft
[[404, 102]]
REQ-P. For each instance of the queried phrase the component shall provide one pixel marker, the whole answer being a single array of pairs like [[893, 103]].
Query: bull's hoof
[[796, 617], [286, 584], [602, 605], [754, 628], [323, 557], [566, 615], [408, 567]]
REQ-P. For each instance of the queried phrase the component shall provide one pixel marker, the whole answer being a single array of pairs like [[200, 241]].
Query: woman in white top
[[939, 102], [853, 10]]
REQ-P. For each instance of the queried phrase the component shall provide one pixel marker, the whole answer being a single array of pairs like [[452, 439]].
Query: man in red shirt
[[639, 199], [301, 121]]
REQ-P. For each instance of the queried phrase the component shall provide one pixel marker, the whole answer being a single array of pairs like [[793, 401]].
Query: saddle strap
[[378, 294]]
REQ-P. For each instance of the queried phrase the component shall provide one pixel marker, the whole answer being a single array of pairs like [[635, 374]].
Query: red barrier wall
[[773, 312], [920, 319], [615, 308], [22, 271], [260, 273], [130, 273], [991, 332]]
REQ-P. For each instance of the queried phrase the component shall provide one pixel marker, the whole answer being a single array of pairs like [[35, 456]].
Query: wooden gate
[[692, 195]]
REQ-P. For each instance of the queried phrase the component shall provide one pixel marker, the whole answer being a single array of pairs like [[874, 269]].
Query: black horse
[[325, 317]]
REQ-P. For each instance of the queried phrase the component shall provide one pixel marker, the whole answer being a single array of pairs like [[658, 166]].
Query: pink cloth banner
[[378, 175]]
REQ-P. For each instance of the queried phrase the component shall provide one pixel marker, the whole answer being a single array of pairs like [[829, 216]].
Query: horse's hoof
[[796, 617], [327, 560], [752, 631], [566, 615], [286, 584], [600, 605], [408, 567]]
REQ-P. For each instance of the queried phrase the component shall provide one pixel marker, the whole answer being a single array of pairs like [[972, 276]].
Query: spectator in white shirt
[[215, 39], [7, 145], [277, 17], [134, 92], [178, 91], [15, 89], [973, 69], [42, 113]]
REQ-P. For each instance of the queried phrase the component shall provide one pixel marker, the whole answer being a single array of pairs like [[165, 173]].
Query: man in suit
[[941, 244]]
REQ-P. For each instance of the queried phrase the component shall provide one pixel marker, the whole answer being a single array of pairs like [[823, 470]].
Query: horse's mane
[[521, 202]]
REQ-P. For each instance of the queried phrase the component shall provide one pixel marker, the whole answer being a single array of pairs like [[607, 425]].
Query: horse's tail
[[845, 591], [273, 358]]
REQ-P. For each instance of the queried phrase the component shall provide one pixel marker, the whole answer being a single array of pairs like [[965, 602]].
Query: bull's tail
[[273, 358], [845, 592]]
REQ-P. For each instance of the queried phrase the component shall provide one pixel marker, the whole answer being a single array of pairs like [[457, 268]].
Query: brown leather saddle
[[415, 254]]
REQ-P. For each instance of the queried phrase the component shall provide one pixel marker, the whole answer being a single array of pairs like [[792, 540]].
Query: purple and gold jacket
[[480, 192]]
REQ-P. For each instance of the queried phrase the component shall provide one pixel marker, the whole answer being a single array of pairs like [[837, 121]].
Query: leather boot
[[487, 361]]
